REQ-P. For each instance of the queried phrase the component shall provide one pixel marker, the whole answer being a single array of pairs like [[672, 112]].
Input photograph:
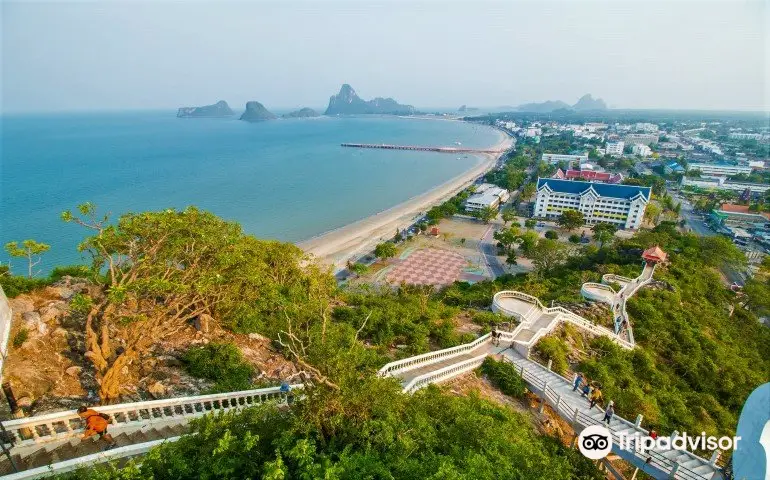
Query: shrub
[[551, 235], [21, 336], [504, 376], [81, 304], [80, 271], [221, 362], [554, 349], [574, 238]]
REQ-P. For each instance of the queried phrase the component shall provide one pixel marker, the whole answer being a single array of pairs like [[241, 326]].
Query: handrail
[[59, 425], [431, 377], [657, 459], [88, 460], [414, 362]]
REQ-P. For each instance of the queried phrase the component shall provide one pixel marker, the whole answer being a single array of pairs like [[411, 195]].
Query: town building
[[719, 168], [588, 175], [641, 138], [722, 183], [556, 158], [621, 205], [486, 196], [646, 127], [748, 136], [736, 221], [673, 167], [615, 148], [643, 150]]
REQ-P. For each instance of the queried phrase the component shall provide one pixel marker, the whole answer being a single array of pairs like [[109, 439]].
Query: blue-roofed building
[[621, 205]]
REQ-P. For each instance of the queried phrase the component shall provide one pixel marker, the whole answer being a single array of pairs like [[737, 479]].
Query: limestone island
[[301, 113], [219, 109], [347, 102], [256, 112]]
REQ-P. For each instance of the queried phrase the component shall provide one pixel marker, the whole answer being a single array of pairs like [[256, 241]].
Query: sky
[[68, 56]]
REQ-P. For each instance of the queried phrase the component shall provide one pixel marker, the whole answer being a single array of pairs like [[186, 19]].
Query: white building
[[554, 158], [642, 138], [642, 150], [615, 148], [719, 168], [533, 132], [621, 205], [487, 195], [722, 183], [747, 136], [646, 127]]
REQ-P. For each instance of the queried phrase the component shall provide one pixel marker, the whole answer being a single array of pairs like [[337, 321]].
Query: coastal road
[[488, 249]]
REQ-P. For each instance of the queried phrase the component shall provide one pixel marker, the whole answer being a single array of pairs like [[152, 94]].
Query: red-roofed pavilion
[[654, 255]]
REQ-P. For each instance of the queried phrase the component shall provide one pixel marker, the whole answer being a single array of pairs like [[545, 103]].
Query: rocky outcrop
[[347, 102], [584, 104], [256, 112], [302, 113], [219, 109], [588, 103], [543, 107]]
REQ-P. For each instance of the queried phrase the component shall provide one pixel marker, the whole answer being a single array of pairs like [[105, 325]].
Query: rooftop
[[576, 187]]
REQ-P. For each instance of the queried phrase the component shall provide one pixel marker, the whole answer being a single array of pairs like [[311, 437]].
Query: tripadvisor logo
[[595, 442]]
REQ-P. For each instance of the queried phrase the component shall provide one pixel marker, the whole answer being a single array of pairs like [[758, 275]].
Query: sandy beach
[[336, 247]]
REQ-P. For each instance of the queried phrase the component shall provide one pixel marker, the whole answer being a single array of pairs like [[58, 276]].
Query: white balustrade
[[424, 359], [56, 426]]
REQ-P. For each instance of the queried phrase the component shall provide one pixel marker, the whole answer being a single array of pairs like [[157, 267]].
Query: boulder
[[33, 322], [74, 371], [157, 390], [53, 311], [22, 304]]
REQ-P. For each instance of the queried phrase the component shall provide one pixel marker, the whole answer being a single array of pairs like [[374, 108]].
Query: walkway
[[435, 367], [603, 292]]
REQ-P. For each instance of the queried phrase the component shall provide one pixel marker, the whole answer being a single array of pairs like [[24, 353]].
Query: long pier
[[419, 148]]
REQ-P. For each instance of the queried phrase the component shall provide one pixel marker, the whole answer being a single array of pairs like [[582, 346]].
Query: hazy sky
[[634, 54]]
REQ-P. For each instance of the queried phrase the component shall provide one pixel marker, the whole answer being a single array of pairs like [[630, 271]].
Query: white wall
[[5, 328]]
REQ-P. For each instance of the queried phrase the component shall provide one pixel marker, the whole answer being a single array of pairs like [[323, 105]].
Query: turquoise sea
[[283, 179]]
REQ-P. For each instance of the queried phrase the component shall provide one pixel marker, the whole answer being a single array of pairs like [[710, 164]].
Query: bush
[[554, 349], [81, 304], [504, 376], [20, 337], [15, 285], [551, 235], [221, 362], [574, 238], [79, 271]]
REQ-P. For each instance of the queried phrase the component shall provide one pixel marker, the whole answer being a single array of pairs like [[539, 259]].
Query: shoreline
[[337, 246]]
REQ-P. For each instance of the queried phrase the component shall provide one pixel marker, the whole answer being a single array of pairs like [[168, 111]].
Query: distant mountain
[[256, 112], [543, 107], [219, 109], [301, 113], [348, 102], [586, 103], [466, 108]]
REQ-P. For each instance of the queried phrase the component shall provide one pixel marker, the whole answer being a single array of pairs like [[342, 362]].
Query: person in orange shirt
[[96, 424]]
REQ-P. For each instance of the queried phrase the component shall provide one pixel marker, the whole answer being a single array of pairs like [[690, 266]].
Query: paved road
[[488, 249], [694, 221]]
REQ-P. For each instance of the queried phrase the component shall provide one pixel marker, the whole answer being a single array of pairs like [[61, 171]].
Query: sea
[[286, 179]]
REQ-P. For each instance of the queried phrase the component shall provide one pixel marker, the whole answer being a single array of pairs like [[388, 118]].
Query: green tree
[[528, 191], [571, 219], [604, 232], [29, 249], [385, 250], [168, 268], [547, 254], [486, 214], [508, 215], [551, 234], [574, 238], [530, 223], [507, 237], [652, 213]]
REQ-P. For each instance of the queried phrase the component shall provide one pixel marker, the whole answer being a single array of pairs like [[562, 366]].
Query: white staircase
[[51, 443]]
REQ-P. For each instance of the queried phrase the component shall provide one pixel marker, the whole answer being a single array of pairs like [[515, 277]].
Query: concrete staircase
[[52, 444], [76, 447]]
